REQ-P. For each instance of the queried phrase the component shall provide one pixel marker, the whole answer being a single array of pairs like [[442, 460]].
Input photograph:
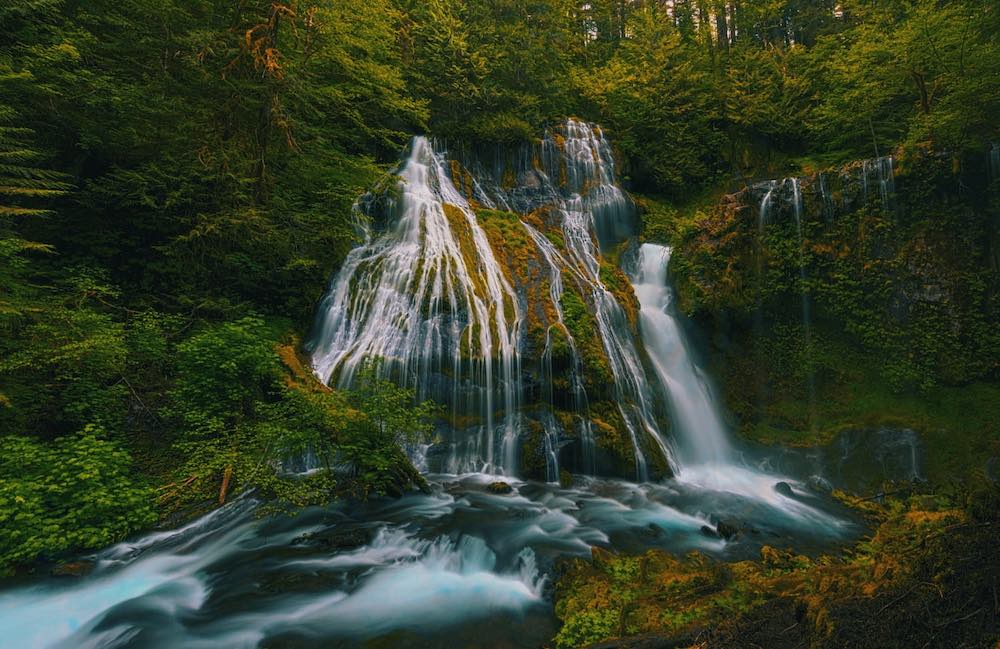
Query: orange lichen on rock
[[923, 561]]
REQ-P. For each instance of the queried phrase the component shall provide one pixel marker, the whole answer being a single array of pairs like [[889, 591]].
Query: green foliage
[[654, 95], [223, 374], [237, 419], [25, 191], [67, 372], [492, 71], [921, 71], [76, 493], [213, 176], [586, 627], [386, 421]]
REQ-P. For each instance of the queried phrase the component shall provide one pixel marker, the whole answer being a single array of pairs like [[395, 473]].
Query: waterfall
[[995, 161], [698, 426], [705, 458], [429, 298], [829, 208], [806, 310], [886, 180], [578, 392], [764, 214], [595, 204], [885, 177], [420, 300]]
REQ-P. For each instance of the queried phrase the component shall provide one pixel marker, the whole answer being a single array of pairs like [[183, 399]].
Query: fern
[[24, 184], [26, 187]]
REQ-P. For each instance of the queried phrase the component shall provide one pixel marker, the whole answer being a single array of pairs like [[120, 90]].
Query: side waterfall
[[806, 306], [698, 426], [706, 460]]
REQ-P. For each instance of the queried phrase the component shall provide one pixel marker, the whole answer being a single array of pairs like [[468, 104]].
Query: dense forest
[[178, 181]]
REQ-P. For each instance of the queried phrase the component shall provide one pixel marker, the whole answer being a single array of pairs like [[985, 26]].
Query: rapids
[[424, 571]]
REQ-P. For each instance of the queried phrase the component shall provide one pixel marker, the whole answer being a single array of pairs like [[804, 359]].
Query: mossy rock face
[[533, 461], [902, 298], [462, 179], [526, 270], [614, 444], [619, 285], [499, 487], [598, 376]]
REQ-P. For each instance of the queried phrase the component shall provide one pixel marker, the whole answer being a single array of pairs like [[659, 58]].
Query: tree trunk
[[227, 475], [721, 25], [925, 100]]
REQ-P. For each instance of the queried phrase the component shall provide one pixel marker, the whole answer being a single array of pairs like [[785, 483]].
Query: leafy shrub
[[74, 494]]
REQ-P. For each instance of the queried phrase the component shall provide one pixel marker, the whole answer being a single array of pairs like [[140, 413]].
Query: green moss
[[533, 460], [611, 434], [617, 282], [521, 261], [582, 326], [957, 425], [903, 326], [560, 348]]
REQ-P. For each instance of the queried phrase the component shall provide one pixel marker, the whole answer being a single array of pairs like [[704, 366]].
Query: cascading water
[[698, 426], [806, 307], [829, 207], [705, 460], [764, 214], [428, 297], [884, 172], [593, 203], [555, 262], [995, 161]]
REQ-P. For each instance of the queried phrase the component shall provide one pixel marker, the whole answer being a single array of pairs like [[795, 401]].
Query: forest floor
[[927, 577]]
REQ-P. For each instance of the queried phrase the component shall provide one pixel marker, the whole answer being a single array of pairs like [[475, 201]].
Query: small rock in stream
[[784, 489], [727, 530], [73, 569], [499, 487], [820, 484], [334, 539]]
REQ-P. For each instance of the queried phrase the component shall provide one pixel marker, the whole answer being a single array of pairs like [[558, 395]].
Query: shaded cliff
[[863, 295]]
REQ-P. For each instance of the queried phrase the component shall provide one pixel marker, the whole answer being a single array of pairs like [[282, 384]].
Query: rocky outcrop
[[495, 275]]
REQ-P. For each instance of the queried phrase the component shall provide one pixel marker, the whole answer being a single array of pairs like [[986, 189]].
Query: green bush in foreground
[[75, 493]]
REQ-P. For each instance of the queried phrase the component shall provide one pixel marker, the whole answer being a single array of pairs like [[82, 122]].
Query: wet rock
[[784, 489], [651, 533], [727, 529], [499, 487], [819, 484], [73, 569], [709, 532], [334, 539], [565, 479]]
